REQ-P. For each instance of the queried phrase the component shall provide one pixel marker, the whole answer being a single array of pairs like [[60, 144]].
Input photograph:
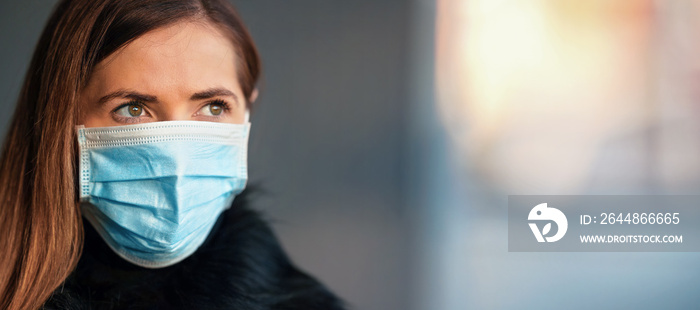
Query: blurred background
[[389, 133]]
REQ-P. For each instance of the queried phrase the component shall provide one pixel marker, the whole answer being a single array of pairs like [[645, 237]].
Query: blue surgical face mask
[[154, 191]]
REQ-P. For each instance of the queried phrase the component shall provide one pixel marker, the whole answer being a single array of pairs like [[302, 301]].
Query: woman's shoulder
[[240, 266]]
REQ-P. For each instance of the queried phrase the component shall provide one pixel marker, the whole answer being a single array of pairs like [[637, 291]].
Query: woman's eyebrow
[[133, 95], [127, 94], [213, 92]]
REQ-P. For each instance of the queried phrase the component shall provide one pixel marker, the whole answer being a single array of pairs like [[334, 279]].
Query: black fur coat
[[240, 266]]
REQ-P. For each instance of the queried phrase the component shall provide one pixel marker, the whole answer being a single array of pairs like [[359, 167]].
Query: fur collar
[[240, 266]]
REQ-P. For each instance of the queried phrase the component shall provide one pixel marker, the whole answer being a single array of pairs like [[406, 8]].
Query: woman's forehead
[[180, 56]]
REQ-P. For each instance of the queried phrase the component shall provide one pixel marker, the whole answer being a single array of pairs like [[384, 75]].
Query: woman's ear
[[253, 96]]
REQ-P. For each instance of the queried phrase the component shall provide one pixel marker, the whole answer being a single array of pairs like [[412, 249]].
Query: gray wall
[[328, 133], [21, 23], [327, 139]]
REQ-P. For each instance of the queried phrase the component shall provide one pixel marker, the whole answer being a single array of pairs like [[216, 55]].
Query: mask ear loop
[[247, 115]]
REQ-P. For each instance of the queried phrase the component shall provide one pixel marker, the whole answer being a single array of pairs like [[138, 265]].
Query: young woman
[[123, 172]]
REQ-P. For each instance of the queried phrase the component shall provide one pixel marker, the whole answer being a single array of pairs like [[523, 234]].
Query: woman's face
[[186, 71]]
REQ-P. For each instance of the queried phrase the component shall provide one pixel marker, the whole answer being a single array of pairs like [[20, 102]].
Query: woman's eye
[[213, 109], [130, 110]]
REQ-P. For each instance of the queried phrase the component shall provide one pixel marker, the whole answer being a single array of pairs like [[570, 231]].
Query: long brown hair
[[40, 221]]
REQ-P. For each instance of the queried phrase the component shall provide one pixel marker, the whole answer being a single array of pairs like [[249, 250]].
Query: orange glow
[[530, 90]]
